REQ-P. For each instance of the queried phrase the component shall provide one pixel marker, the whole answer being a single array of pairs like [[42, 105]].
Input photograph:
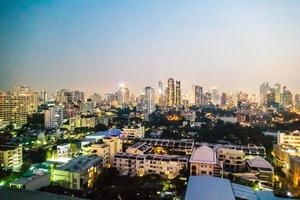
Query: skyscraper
[[123, 96], [160, 94], [171, 92], [196, 95], [223, 99], [277, 88], [263, 91], [149, 100], [286, 98], [53, 117], [178, 94], [215, 96]]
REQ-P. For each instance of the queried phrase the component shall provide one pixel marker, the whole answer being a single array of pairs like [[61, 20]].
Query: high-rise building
[[196, 95], [178, 94], [14, 108], [264, 89], [171, 92], [96, 98], [77, 96], [277, 88], [53, 117], [271, 97], [286, 98], [149, 100], [223, 99], [215, 96], [123, 95], [160, 100]]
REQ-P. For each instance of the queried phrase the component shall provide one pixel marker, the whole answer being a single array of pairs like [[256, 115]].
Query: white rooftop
[[259, 162], [203, 154]]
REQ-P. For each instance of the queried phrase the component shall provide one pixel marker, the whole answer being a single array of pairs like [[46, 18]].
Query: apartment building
[[232, 160], [11, 157], [139, 165], [79, 173]]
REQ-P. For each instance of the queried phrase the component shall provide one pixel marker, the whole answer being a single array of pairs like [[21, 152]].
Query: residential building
[[171, 92], [291, 138], [262, 169], [133, 131], [54, 117], [11, 157], [232, 160], [79, 173], [204, 162], [138, 165], [178, 94], [149, 100]]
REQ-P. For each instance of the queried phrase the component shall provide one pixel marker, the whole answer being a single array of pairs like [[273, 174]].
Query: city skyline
[[95, 46]]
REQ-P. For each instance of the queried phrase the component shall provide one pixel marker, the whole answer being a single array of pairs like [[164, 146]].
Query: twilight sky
[[95, 45]]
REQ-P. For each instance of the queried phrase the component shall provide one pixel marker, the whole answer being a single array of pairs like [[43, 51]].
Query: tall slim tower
[[149, 100], [178, 94], [171, 92], [263, 91], [196, 95]]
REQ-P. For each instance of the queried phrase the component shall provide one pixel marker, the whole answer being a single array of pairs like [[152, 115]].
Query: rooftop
[[259, 162], [203, 154], [7, 147], [80, 163]]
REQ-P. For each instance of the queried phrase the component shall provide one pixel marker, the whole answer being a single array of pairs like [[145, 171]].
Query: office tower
[[223, 99], [196, 95], [14, 108], [53, 117], [149, 100], [215, 96], [63, 97], [42, 97], [264, 89], [77, 96], [286, 98], [271, 97], [160, 94], [297, 101], [171, 92], [96, 98], [207, 98], [178, 94], [277, 88], [123, 95]]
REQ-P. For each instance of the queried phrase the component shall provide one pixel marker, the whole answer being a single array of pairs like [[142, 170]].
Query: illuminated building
[[123, 96], [14, 109], [171, 92], [96, 98], [264, 89], [196, 95], [294, 171], [100, 149], [262, 169], [77, 96], [286, 98], [11, 157], [292, 139], [64, 151], [79, 173], [149, 100], [204, 162], [133, 131], [178, 94], [282, 154], [232, 160], [115, 146], [138, 165], [277, 88], [160, 94], [53, 117]]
